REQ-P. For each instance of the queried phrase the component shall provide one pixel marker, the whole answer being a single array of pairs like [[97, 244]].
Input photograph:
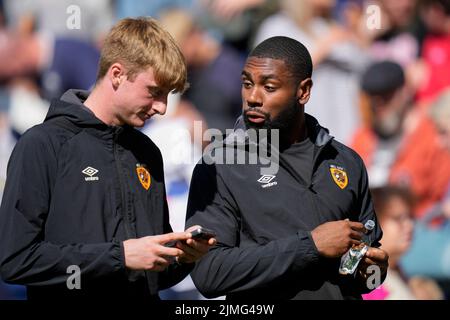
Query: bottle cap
[[369, 225]]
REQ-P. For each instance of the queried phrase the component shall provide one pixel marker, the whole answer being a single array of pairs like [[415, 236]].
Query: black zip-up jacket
[[263, 224], [72, 197]]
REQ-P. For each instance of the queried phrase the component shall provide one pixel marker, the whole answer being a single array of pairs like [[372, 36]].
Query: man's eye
[[247, 84], [270, 88], [154, 94]]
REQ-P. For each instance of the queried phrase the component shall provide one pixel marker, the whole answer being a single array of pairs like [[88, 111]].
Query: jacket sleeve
[[230, 267], [25, 257], [175, 272], [364, 206]]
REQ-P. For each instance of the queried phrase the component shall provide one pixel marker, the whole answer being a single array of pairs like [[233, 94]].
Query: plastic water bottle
[[351, 259]]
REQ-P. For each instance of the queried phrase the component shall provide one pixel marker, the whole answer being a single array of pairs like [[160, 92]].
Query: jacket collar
[[319, 134], [71, 106]]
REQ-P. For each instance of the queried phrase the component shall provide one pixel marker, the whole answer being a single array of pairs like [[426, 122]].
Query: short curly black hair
[[292, 52]]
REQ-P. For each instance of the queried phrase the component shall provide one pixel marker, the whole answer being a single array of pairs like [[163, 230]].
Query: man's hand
[[150, 253], [334, 238], [192, 249], [373, 256]]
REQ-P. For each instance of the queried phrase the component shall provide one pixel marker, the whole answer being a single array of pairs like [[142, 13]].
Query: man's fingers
[[174, 236], [357, 226], [160, 264], [356, 235], [161, 261], [212, 241], [194, 249], [367, 262], [378, 255], [375, 256], [170, 252], [187, 249], [192, 228], [201, 245]]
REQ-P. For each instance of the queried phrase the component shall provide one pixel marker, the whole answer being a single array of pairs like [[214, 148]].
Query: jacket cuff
[[307, 252], [119, 253]]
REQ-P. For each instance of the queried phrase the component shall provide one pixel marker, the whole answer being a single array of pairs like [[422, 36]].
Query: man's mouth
[[145, 116], [255, 117]]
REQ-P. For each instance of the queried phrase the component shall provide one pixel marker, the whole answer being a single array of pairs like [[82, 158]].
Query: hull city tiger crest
[[144, 176], [339, 176]]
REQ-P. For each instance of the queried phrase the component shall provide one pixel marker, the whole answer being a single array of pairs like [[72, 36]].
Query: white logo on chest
[[266, 181], [90, 172]]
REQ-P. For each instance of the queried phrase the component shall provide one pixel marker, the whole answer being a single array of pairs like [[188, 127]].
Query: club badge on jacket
[[339, 176], [144, 176]]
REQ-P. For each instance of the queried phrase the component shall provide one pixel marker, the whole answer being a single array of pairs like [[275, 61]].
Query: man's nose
[[160, 106], [254, 98]]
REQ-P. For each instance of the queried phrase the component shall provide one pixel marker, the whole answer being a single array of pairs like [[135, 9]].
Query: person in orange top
[[435, 50], [410, 156]]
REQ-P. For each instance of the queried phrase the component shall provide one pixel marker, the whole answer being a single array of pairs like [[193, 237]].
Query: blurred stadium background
[[381, 85]]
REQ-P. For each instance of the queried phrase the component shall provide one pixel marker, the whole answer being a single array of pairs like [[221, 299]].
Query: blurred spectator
[[440, 114], [55, 16], [226, 10], [429, 254], [394, 212], [394, 40], [228, 21], [173, 135], [398, 38], [7, 142], [25, 106], [337, 57], [233, 21], [2, 15], [378, 142], [436, 49], [214, 70], [60, 63], [153, 8], [409, 155], [6, 145]]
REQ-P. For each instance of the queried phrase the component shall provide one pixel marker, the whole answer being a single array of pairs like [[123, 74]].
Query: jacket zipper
[[309, 188], [312, 192], [296, 176], [315, 164], [128, 232]]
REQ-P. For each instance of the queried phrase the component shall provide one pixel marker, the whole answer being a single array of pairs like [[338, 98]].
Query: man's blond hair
[[142, 43]]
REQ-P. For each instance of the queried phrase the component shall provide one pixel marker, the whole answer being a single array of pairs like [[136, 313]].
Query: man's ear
[[116, 74], [304, 91]]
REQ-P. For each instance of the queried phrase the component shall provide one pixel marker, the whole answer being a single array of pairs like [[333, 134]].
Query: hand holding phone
[[199, 233], [202, 233]]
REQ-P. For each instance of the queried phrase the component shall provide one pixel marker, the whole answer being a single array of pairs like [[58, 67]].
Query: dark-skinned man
[[281, 234]]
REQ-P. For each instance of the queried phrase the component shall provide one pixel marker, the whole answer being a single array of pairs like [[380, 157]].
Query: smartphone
[[198, 234], [202, 234]]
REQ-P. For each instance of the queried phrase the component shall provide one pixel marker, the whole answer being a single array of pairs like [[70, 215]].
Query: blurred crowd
[[381, 86]]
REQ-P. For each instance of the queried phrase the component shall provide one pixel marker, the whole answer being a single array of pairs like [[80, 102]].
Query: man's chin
[[136, 123], [254, 125], [139, 124]]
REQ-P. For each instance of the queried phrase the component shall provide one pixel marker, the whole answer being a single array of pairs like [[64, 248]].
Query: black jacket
[[72, 197], [265, 249]]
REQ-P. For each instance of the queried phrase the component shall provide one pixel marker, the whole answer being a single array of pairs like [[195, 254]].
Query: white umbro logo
[[266, 180], [89, 171]]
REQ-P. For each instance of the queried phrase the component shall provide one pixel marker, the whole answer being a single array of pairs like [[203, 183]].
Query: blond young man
[[84, 212]]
